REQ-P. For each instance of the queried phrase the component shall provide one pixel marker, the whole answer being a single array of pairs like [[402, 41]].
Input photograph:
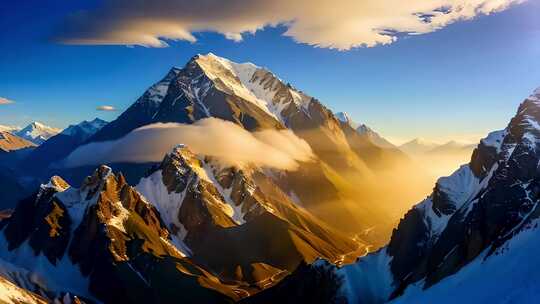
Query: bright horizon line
[[465, 139]]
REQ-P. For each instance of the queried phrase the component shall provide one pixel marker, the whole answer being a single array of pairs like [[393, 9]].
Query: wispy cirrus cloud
[[6, 101], [337, 24], [106, 108]]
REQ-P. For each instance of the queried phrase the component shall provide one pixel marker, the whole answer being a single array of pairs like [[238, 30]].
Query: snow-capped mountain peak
[[155, 94], [535, 96], [345, 118], [37, 132], [85, 129], [252, 83]]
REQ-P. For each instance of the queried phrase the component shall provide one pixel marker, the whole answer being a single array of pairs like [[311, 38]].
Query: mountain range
[[348, 169], [418, 147], [415, 148], [199, 228], [473, 240], [37, 132]]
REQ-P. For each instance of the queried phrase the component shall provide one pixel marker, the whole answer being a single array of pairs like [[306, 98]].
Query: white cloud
[[223, 140], [5, 101], [106, 108], [338, 24]]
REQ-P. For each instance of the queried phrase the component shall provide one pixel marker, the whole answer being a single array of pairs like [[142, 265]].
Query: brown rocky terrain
[[10, 142]]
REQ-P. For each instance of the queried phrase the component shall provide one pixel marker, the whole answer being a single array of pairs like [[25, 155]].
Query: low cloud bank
[[223, 140]]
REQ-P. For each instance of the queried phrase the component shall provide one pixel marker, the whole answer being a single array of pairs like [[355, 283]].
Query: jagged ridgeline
[[352, 183], [200, 233], [475, 239], [191, 228]]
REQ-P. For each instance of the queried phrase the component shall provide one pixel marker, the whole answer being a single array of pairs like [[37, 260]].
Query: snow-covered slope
[[37, 132], [504, 277], [473, 238], [253, 84]]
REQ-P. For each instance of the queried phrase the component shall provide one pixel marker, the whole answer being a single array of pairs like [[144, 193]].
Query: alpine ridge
[[37, 132], [106, 238], [472, 233], [347, 163]]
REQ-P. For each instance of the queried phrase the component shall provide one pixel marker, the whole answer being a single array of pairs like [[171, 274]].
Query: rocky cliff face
[[470, 215], [216, 234], [103, 241], [256, 99], [260, 233]]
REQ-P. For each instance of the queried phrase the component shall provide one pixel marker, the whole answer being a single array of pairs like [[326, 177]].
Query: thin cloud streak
[[106, 108], [5, 101]]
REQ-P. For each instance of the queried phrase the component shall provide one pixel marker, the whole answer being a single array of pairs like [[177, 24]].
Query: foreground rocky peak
[[85, 239], [471, 216], [106, 239], [210, 207]]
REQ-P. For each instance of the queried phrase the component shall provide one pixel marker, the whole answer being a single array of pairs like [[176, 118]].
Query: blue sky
[[458, 82]]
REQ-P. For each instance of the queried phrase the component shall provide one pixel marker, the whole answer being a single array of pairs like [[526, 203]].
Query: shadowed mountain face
[[478, 229], [24, 165], [12, 149], [59, 146], [37, 133]]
